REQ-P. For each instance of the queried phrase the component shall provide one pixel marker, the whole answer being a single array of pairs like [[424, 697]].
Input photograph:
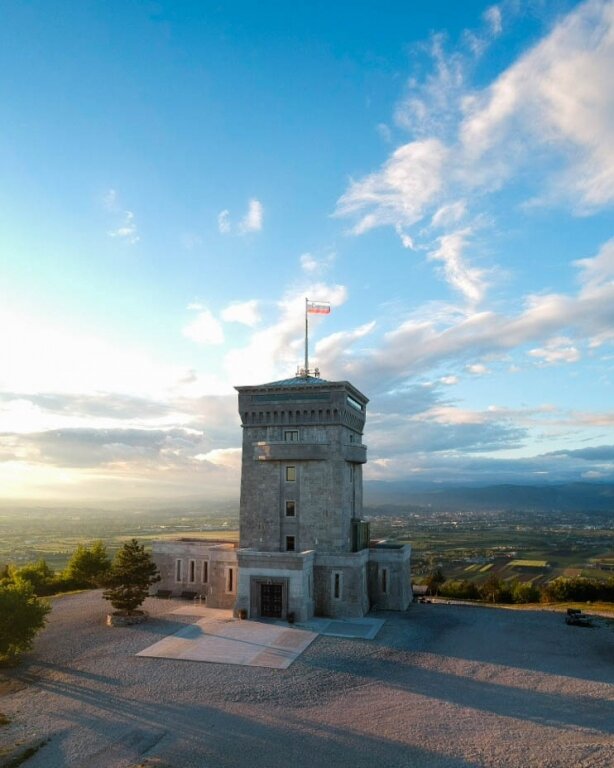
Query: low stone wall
[[125, 620]]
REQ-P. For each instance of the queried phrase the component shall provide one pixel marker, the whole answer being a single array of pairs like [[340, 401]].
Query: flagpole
[[306, 338]]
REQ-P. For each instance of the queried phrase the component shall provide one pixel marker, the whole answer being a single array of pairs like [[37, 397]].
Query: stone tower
[[301, 478], [304, 547]]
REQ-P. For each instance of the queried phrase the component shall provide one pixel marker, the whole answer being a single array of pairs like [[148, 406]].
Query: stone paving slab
[[361, 629], [225, 640]]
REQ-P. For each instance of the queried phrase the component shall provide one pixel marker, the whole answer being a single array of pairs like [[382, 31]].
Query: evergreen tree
[[22, 615], [131, 575]]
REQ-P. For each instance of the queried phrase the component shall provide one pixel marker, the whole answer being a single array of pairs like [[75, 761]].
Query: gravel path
[[442, 686]]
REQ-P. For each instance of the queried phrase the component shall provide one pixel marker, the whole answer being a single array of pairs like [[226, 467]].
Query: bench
[[166, 593], [187, 595]]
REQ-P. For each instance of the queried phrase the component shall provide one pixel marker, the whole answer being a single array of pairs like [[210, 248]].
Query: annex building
[[304, 548]]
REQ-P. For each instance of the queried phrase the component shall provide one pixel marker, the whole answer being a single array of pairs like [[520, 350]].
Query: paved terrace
[[441, 686]]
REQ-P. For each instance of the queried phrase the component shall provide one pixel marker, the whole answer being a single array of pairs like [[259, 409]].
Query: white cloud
[[598, 272], [477, 369], [552, 108], [557, 350], [127, 230], [556, 97], [468, 280], [400, 193], [313, 265], [449, 214], [204, 329], [449, 380], [229, 458], [493, 17], [309, 263], [246, 313], [252, 221], [223, 222]]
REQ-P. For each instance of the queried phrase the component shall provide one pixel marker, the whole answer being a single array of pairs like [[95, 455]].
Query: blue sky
[[175, 178]]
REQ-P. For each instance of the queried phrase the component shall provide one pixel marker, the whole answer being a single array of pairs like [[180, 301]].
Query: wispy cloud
[[252, 221], [126, 230], [469, 281], [557, 350], [313, 265], [551, 108]]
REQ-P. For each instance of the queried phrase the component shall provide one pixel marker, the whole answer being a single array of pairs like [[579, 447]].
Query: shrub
[[525, 593], [22, 615], [460, 590]]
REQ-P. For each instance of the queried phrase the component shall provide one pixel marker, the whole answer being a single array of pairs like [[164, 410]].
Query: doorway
[[271, 601]]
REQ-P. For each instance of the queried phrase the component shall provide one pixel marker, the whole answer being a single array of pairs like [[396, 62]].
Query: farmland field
[[465, 545]]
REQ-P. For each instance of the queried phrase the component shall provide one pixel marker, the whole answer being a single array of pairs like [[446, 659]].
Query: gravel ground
[[442, 686]]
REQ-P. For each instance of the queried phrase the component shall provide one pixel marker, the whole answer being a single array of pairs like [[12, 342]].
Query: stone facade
[[303, 546], [208, 569]]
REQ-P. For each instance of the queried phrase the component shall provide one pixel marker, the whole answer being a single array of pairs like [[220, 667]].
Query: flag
[[318, 308]]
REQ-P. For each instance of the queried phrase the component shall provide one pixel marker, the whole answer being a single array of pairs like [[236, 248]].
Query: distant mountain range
[[564, 497]]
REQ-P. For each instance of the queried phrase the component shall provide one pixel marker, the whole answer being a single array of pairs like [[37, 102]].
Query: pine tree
[[131, 575]]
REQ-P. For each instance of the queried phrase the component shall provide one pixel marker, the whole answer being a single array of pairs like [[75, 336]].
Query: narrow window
[[205, 571], [337, 585], [178, 570], [230, 585], [289, 543], [385, 581], [291, 435], [290, 508], [290, 474], [192, 571]]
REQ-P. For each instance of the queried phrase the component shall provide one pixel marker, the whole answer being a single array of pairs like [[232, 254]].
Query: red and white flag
[[318, 308]]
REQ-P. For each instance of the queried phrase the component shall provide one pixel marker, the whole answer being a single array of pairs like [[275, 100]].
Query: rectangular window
[[205, 571], [230, 580], [192, 571], [290, 543], [290, 474], [178, 570], [337, 585], [384, 581], [291, 435], [290, 509]]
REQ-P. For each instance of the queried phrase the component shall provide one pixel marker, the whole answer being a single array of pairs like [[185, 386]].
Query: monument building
[[304, 548]]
